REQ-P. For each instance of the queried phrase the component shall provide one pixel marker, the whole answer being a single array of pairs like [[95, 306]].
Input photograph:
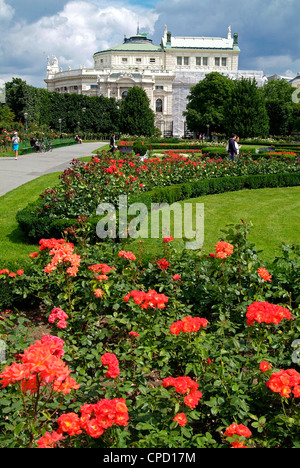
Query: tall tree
[[246, 111], [279, 105], [207, 104], [20, 98], [136, 116]]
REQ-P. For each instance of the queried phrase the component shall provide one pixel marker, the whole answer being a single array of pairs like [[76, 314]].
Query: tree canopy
[[227, 106], [136, 116], [90, 114], [281, 109], [207, 103], [247, 115], [7, 117]]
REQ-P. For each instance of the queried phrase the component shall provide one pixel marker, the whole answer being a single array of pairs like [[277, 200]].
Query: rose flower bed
[[84, 185], [189, 350], [168, 178]]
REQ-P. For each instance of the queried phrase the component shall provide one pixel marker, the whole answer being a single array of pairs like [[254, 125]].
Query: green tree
[[94, 114], [6, 117], [296, 118], [21, 98], [136, 116], [207, 104], [279, 105], [246, 111]]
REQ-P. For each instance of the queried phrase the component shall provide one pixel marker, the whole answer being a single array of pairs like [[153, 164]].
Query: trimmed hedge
[[36, 227], [202, 187], [55, 144]]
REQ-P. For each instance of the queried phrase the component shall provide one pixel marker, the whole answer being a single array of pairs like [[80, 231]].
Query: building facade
[[166, 72]]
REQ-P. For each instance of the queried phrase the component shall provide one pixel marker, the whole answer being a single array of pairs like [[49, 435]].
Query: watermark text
[[181, 220]]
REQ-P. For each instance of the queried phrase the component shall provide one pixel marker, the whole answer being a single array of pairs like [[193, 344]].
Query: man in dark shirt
[[112, 144], [232, 151]]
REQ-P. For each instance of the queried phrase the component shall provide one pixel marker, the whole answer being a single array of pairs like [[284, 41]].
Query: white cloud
[[281, 64], [6, 12], [268, 30], [73, 34]]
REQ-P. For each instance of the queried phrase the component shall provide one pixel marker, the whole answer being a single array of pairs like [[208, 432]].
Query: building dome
[[138, 43], [138, 39]]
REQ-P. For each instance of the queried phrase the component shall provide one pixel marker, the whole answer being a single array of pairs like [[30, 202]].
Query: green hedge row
[[36, 227], [169, 145], [55, 144], [248, 152], [207, 149]]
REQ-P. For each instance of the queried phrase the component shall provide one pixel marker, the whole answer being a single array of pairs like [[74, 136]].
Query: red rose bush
[[187, 350]]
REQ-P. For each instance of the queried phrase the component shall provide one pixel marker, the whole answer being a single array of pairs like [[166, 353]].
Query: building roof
[[297, 78], [279, 77], [137, 43], [141, 43], [178, 42]]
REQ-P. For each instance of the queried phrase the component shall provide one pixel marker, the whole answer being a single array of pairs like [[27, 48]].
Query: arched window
[[159, 105], [124, 94]]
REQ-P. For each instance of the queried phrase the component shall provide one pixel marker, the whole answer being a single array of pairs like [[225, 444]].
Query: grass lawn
[[7, 154], [12, 246], [274, 213]]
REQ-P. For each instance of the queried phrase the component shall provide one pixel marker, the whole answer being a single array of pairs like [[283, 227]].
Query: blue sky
[[73, 30]]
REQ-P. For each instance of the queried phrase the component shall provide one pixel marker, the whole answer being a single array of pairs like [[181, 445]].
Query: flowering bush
[[6, 140], [195, 355], [110, 360], [267, 313], [84, 185], [188, 325], [60, 316]]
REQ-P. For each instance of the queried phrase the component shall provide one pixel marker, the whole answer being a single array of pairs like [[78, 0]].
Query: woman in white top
[[238, 147], [16, 142]]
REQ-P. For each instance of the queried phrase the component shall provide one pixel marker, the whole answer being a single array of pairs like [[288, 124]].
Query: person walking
[[112, 144], [238, 147], [231, 148], [15, 143]]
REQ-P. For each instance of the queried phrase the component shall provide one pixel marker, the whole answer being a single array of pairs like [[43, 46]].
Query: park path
[[14, 173]]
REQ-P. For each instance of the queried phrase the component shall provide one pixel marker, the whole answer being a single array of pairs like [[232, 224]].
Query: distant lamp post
[[25, 117], [59, 121]]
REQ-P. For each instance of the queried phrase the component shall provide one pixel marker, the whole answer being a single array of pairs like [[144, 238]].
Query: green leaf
[[19, 428]]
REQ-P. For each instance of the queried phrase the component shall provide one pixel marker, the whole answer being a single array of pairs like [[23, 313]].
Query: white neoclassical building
[[166, 72]]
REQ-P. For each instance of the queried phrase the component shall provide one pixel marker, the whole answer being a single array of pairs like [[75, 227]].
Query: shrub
[[168, 348], [168, 179], [36, 227], [139, 148]]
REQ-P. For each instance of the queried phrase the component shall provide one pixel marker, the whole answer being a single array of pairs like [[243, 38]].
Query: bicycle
[[46, 146]]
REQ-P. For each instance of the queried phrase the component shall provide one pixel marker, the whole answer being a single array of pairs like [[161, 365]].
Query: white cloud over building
[[73, 30]]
